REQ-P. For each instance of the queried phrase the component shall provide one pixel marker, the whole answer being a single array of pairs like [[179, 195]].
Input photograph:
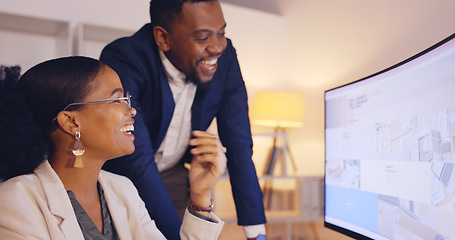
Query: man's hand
[[207, 165]]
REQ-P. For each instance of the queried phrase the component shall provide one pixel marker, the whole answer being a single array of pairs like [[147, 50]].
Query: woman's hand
[[208, 164]]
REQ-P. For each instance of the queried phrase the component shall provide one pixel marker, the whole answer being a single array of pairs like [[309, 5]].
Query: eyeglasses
[[127, 99]]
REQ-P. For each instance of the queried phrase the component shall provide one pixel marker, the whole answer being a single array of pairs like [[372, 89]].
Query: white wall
[[333, 42], [255, 35], [127, 14], [36, 44]]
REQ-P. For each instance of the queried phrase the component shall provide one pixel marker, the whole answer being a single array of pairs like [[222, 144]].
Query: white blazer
[[37, 206]]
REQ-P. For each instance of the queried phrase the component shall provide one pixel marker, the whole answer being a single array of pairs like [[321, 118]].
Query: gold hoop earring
[[78, 151]]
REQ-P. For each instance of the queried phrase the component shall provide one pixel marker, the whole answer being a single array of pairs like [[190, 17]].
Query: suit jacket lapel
[[167, 104], [197, 109]]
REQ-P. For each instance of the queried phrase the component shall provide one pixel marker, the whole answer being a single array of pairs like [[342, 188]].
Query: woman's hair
[[29, 104]]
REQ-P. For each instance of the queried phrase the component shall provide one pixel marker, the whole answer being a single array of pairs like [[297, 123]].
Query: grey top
[[88, 227]]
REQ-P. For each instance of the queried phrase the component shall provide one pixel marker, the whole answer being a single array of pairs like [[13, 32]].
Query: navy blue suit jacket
[[137, 62]]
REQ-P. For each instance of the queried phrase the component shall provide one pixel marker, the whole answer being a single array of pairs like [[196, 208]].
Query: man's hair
[[164, 12]]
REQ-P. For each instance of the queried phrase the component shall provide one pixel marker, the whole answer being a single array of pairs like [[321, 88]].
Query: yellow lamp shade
[[278, 109]]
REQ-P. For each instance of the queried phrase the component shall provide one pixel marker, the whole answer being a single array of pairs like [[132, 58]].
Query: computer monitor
[[390, 150]]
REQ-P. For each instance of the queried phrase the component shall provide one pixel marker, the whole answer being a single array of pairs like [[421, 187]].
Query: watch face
[[261, 237]]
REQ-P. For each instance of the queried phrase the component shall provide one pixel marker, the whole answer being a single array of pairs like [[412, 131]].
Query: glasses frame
[[127, 99]]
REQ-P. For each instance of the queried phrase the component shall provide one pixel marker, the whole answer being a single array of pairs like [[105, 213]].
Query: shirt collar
[[172, 73]]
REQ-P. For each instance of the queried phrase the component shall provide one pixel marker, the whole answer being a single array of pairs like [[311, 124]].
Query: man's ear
[[161, 38], [68, 121]]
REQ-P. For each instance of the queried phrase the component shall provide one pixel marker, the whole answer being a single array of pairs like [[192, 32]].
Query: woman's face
[[105, 127]]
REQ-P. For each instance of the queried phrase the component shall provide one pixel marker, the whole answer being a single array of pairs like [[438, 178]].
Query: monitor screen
[[390, 150]]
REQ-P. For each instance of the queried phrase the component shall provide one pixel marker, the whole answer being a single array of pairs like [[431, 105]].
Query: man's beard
[[200, 85]]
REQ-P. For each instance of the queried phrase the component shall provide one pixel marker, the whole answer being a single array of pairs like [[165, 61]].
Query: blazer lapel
[[117, 210], [59, 202]]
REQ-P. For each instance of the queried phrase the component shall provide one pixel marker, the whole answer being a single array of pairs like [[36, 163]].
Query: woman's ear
[[68, 121], [161, 38]]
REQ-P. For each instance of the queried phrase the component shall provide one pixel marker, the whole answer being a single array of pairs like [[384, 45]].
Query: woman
[[61, 121]]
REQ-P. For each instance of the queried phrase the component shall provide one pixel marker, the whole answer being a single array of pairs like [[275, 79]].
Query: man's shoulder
[[138, 51], [143, 35], [229, 52]]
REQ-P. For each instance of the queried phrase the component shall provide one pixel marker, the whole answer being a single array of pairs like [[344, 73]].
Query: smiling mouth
[[210, 64], [127, 129]]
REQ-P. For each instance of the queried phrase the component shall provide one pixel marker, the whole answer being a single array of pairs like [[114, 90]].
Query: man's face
[[197, 39]]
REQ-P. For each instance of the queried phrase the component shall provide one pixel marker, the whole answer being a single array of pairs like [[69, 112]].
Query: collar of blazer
[[58, 201]]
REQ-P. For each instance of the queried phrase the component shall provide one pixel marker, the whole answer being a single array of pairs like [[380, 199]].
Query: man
[[182, 72]]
